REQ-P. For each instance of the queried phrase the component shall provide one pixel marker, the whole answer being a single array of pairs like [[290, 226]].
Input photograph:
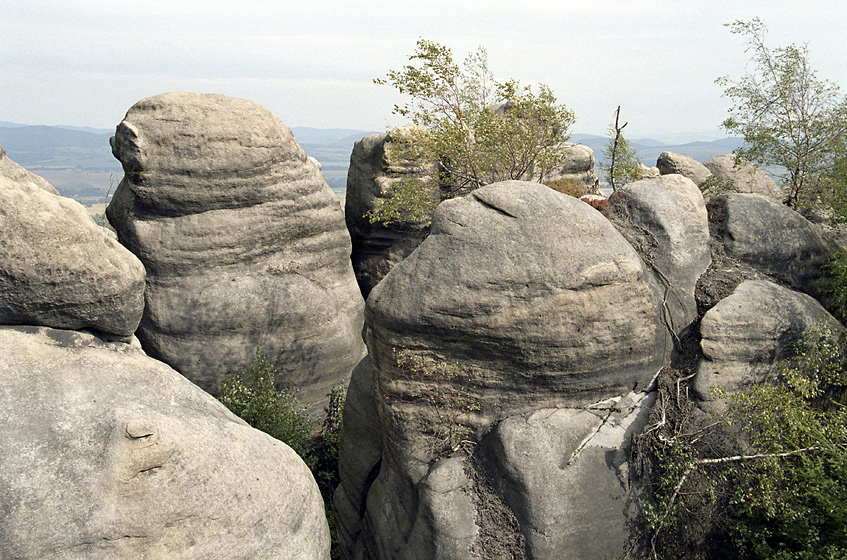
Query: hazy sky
[[85, 62]]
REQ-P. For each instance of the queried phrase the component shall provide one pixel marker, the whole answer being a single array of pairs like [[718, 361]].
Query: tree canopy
[[475, 129], [787, 115]]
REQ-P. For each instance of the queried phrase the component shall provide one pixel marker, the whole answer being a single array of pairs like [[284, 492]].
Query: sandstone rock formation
[[672, 210], [520, 299], [106, 453], [746, 335], [743, 176], [778, 241], [378, 163], [17, 174], [670, 163], [577, 166], [649, 172], [57, 268], [244, 243]]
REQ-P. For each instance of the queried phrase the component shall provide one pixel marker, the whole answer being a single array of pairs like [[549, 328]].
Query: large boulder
[[380, 163], [578, 166], [17, 174], [671, 209], [107, 453], [244, 243], [57, 268], [520, 299], [780, 242], [670, 163], [743, 176], [747, 335]]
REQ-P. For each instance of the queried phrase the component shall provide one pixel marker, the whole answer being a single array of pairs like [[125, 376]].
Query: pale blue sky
[[85, 62]]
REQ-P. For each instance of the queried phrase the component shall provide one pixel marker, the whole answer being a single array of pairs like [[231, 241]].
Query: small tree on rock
[[623, 163], [474, 129], [786, 114]]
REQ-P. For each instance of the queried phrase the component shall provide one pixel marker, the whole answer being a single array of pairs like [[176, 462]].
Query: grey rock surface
[[744, 176], [649, 172], [578, 166], [106, 453], [746, 335], [17, 174], [244, 243], [377, 165], [59, 269], [672, 210], [778, 241], [520, 299], [565, 474], [670, 163]]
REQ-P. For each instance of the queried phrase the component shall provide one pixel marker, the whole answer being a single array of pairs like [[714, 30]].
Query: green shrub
[[253, 396], [713, 186], [838, 291], [783, 492]]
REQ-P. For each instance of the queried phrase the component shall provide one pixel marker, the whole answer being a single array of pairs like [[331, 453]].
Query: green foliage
[[566, 186], [622, 163], [470, 141], [786, 495], [838, 291], [445, 395], [713, 186], [787, 116], [253, 396]]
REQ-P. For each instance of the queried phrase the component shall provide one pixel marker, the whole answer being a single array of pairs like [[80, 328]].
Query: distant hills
[[78, 160]]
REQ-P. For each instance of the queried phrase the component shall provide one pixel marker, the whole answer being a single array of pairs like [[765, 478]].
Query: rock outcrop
[[107, 453], [670, 163], [743, 176], [243, 241], [578, 166], [378, 164], [57, 268], [778, 241], [746, 335], [671, 209], [521, 299]]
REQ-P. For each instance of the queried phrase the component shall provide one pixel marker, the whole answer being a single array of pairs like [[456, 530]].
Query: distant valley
[[78, 160]]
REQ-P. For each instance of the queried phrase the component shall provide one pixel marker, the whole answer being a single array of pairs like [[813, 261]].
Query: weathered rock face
[[106, 453], [672, 210], [778, 241], [17, 174], [243, 241], [746, 335], [670, 163], [520, 299], [564, 472], [578, 166], [377, 165], [744, 176], [57, 268]]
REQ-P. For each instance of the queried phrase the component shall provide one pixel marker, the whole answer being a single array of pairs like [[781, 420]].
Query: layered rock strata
[[243, 241]]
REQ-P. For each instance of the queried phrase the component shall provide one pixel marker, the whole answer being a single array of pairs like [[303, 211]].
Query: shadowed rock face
[[379, 163], [107, 453], [520, 299], [244, 243], [775, 239], [59, 269]]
